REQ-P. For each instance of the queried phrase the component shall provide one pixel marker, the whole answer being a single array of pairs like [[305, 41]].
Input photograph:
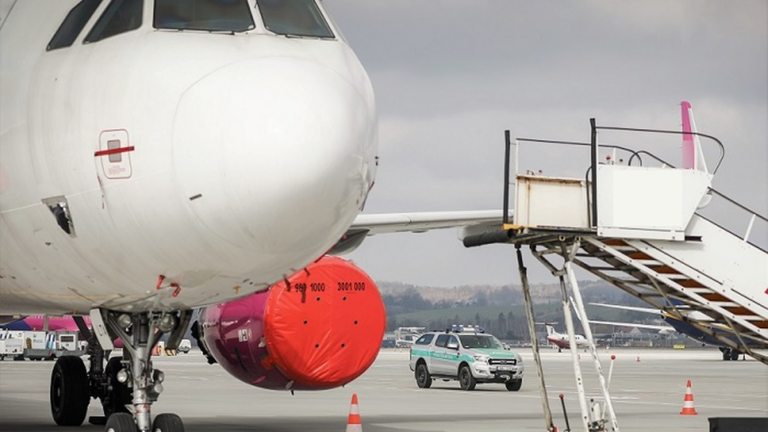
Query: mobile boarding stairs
[[640, 228]]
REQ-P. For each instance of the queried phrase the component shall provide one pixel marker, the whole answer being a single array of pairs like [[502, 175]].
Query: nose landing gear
[[132, 375]]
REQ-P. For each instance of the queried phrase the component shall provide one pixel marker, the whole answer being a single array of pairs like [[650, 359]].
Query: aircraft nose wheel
[[123, 422], [167, 423], [120, 422]]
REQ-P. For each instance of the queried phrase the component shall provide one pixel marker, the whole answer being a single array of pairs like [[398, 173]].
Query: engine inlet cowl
[[320, 329]]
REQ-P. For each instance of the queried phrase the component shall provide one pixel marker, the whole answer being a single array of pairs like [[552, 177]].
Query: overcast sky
[[451, 76]]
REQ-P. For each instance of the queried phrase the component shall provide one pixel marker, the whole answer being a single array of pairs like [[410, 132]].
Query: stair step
[[666, 270], [638, 255], [690, 283]]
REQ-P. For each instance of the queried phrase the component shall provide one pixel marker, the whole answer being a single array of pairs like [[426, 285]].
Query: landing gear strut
[[140, 332], [128, 384]]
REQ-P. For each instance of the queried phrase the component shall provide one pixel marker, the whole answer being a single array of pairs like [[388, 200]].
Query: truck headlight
[[481, 358]]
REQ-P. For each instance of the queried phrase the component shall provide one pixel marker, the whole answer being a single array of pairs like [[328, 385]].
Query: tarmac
[[647, 395]]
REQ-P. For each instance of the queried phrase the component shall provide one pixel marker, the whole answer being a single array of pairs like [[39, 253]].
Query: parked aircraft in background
[[677, 325], [159, 156], [38, 323], [662, 329], [561, 340], [406, 336]]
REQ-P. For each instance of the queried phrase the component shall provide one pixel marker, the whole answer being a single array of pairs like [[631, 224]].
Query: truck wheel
[[726, 353], [423, 378], [514, 385], [119, 394], [466, 380], [70, 394]]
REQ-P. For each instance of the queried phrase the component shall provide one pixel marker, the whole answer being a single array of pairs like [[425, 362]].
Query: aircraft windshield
[[207, 15], [294, 18], [477, 341]]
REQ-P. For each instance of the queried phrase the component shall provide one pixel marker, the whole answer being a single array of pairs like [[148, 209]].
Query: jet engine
[[319, 329]]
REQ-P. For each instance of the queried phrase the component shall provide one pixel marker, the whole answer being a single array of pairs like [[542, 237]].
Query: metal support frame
[[568, 247], [574, 355], [593, 160], [590, 338], [534, 341]]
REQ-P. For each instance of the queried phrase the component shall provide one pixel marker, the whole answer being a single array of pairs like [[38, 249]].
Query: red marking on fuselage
[[114, 151]]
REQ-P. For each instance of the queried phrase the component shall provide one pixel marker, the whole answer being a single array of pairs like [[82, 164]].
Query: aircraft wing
[[631, 308], [421, 222], [660, 328], [472, 224]]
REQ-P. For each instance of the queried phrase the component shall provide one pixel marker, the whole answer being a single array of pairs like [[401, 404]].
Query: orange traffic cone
[[688, 408], [353, 421]]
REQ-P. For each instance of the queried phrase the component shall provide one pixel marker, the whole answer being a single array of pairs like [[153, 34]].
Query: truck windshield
[[477, 341], [205, 15], [294, 18]]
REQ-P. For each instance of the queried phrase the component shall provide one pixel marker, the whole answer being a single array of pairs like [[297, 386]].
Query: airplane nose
[[271, 154]]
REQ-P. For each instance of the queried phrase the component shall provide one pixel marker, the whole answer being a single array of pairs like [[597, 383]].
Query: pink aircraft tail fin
[[693, 158]]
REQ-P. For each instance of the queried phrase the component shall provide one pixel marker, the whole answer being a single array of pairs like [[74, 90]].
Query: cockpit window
[[207, 15], [120, 16], [73, 24], [294, 18]]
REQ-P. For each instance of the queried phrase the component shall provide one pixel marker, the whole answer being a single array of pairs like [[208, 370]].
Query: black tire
[[466, 380], [168, 423], [726, 354], [735, 355], [423, 378], [120, 422], [70, 394], [514, 385], [120, 395]]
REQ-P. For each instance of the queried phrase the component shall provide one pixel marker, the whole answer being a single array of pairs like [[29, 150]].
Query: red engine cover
[[321, 330]]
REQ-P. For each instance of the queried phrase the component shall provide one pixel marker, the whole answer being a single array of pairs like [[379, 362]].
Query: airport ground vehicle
[[466, 354], [185, 346], [11, 348]]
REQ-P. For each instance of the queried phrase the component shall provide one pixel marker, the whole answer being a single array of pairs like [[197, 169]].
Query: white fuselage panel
[[210, 165]]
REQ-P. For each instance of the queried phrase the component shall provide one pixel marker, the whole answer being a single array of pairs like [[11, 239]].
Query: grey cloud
[[450, 76]]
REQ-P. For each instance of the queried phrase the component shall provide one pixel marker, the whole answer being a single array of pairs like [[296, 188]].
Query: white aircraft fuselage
[[189, 167]]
